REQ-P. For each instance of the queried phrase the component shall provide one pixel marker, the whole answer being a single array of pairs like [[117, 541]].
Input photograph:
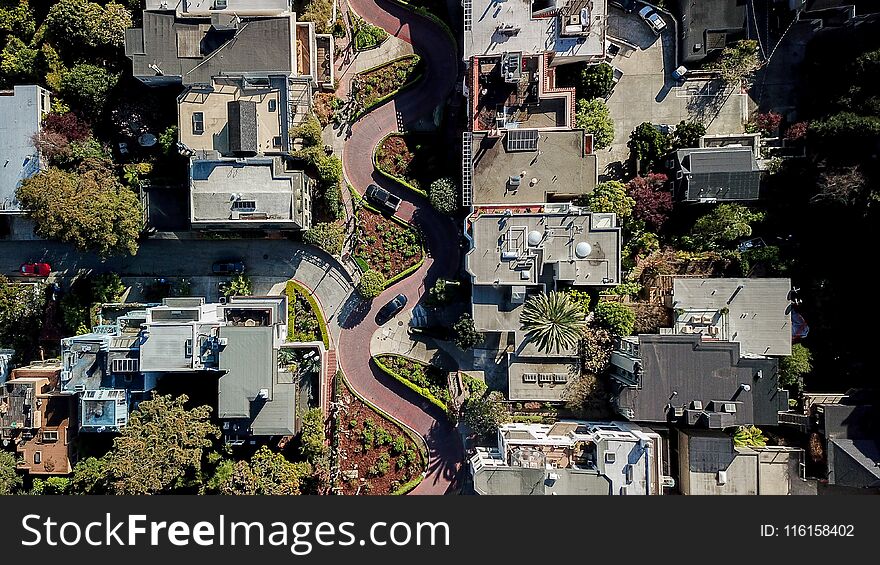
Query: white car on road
[[653, 19]]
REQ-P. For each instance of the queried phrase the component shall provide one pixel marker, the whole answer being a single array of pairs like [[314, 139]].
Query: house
[[708, 26], [191, 42], [756, 313], [572, 30], [242, 343], [850, 430], [716, 173], [571, 458], [683, 379], [249, 193], [710, 464], [21, 114], [517, 254], [526, 166], [39, 419]]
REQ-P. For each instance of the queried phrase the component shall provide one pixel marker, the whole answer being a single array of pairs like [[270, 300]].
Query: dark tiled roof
[[242, 118], [724, 173], [704, 371]]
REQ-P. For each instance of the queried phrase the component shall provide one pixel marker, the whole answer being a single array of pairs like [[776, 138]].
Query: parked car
[[653, 19], [231, 267], [391, 309], [665, 129], [680, 73], [35, 269], [384, 199]]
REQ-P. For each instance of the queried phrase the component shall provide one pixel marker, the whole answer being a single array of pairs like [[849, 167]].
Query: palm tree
[[553, 321]]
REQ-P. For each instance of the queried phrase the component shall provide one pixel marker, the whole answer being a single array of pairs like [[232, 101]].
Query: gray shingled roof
[[248, 360], [524, 481], [242, 118], [259, 46], [724, 173]]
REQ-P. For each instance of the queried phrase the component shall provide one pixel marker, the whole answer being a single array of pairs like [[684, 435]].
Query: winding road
[[433, 44]]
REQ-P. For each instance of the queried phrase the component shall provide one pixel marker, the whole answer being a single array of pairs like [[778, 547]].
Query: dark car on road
[[232, 267], [382, 198], [391, 309]]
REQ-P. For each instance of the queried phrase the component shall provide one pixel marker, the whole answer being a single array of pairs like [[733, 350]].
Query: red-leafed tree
[[69, 125], [653, 201], [797, 131]]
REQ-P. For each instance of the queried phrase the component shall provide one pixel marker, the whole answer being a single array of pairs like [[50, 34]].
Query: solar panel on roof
[[522, 140]]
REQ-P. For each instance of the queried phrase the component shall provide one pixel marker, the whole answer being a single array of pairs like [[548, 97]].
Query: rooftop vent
[[535, 238], [582, 250]]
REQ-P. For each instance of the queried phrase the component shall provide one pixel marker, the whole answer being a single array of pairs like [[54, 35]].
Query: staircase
[[329, 376]]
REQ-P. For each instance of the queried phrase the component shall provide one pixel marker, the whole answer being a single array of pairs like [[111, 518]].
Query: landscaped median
[[374, 86], [386, 244], [305, 321], [388, 457], [413, 160], [427, 381]]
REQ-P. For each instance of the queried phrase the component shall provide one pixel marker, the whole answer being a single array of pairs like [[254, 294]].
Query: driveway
[[410, 109], [647, 92]]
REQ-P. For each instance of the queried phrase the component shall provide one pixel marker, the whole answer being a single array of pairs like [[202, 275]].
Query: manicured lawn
[[386, 246], [372, 86], [418, 159], [377, 457], [422, 376]]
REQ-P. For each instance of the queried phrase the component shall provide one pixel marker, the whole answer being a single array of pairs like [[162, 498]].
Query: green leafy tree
[[581, 297], [10, 480], [18, 62], [267, 473], [51, 485], [443, 194], [168, 140], [466, 334], [239, 285], [91, 210], [688, 134], [17, 19], [845, 126], [597, 81], [443, 292], [309, 131], [372, 284], [610, 196], [313, 439], [738, 62], [554, 321], [616, 317], [90, 477], [648, 145], [484, 414], [21, 317], [78, 24], [162, 449], [320, 12], [593, 116], [328, 236], [87, 87], [586, 397], [793, 368], [724, 224], [749, 436]]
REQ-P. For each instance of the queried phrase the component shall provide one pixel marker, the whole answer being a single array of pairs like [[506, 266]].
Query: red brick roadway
[[435, 47]]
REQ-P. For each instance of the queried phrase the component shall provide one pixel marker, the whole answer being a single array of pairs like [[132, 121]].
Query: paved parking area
[[647, 92]]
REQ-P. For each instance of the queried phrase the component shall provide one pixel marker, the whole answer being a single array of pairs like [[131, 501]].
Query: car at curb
[[229, 267], [383, 199], [35, 269], [653, 19]]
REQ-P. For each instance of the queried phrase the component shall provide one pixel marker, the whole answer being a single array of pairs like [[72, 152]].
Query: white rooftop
[[21, 111], [510, 25]]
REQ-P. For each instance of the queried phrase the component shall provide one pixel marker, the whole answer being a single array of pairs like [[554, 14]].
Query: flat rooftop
[[541, 379], [560, 163], [204, 119], [495, 27], [527, 249], [756, 313], [253, 190], [203, 7], [21, 111]]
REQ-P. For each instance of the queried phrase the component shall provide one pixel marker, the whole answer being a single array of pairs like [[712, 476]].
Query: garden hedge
[[294, 286], [415, 437], [423, 392]]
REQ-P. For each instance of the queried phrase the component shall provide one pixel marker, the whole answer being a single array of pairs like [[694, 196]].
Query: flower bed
[[384, 455], [386, 246], [374, 86], [426, 380], [304, 319], [414, 160]]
